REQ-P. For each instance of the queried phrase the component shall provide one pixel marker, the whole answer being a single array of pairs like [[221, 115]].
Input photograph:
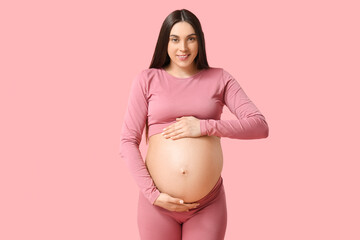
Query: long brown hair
[[161, 58]]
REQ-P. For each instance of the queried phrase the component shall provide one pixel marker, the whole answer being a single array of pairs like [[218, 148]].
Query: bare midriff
[[186, 168]]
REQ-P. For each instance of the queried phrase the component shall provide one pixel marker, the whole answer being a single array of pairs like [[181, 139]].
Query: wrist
[[203, 127]]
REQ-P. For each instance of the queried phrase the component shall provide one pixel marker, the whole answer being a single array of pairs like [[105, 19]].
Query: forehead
[[182, 29]]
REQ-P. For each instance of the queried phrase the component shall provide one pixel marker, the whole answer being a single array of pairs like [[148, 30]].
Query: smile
[[183, 57]]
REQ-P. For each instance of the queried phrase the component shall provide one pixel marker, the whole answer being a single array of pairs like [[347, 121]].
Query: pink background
[[66, 69]]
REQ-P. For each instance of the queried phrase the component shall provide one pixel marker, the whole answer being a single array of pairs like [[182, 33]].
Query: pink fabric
[[160, 98], [207, 221]]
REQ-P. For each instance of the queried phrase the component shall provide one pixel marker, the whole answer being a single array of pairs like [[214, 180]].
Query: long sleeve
[[250, 123], [131, 133]]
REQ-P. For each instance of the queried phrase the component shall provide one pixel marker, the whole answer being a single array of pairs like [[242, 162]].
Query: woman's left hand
[[187, 126]]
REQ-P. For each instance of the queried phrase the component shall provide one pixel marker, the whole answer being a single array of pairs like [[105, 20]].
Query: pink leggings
[[207, 221]]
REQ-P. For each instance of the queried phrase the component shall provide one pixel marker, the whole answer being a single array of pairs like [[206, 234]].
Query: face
[[183, 46]]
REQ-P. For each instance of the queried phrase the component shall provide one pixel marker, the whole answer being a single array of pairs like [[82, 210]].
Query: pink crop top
[[160, 97]]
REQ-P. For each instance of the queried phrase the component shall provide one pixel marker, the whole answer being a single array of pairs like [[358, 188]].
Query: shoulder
[[225, 75], [229, 81], [147, 77], [141, 80], [214, 70], [229, 78], [150, 72], [214, 73], [144, 75]]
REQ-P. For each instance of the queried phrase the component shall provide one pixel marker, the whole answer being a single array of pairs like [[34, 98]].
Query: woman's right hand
[[164, 200]]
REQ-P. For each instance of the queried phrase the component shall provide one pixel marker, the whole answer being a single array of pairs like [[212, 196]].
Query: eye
[[173, 39], [192, 38]]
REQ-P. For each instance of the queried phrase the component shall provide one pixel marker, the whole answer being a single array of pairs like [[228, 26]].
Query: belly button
[[182, 171]]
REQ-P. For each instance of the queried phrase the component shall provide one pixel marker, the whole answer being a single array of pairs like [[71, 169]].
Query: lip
[[184, 59]]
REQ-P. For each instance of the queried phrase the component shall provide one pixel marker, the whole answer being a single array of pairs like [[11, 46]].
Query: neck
[[181, 72]]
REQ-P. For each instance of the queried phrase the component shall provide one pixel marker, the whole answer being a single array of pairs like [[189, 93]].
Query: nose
[[183, 46]]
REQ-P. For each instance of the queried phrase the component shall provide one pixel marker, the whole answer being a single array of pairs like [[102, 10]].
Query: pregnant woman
[[179, 99]]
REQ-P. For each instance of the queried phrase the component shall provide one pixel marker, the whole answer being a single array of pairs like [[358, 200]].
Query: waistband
[[213, 193]]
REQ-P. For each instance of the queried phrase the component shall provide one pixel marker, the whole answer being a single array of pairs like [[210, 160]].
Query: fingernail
[[181, 201]]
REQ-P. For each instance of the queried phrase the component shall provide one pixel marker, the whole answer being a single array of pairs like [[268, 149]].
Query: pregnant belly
[[186, 168]]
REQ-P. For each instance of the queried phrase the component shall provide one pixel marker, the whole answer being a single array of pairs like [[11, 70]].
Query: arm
[[131, 133], [250, 123]]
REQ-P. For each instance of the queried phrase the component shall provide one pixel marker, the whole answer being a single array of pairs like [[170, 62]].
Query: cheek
[[195, 52], [195, 47], [171, 50]]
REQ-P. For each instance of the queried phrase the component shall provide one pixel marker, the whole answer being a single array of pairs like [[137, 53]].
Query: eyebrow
[[173, 35]]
